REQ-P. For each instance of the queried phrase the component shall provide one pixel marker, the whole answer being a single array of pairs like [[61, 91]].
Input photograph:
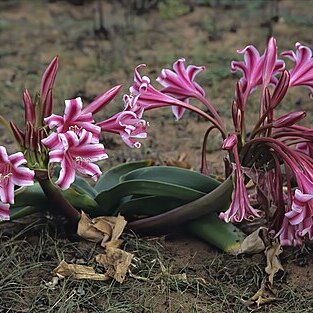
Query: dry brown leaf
[[272, 260], [87, 230], [253, 243], [266, 294], [76, 271], [103, 228], [116, 261]]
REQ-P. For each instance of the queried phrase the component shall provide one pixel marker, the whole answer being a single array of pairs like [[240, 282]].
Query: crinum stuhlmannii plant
[[276, 155]]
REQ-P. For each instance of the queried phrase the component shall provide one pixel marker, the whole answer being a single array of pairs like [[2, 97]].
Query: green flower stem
[[214, 201], [57, 199]]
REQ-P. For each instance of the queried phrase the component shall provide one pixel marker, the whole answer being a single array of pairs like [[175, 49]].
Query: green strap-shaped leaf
[[82, 186], [30, 196], [148, 206], [174, 175], [109, 200], [34, 195], [112, 177], [215, 201], [211, 229], [19, 212]]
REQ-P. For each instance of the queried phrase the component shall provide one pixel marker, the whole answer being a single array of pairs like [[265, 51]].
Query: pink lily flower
[[75, 153], [240, 207], [74, 119], [13, 174], [256, 69], [180, 84], [4, 211], [302, 72], [127, 125], [288, 234], [150, 98], [301, 212]]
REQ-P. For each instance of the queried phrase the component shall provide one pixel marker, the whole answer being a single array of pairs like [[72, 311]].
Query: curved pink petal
[[23, 176], [87, 168], [302, 72], [73, 109], [54, 121], [56, 156], [4, 158], [67, 173], [17, 159], [52, 141], [7, 192]]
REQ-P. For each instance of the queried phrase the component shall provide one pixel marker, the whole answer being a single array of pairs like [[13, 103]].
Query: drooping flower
[[301, 211], [288, 234], [240, 207], [150, 98], [127, 125], [180, 84], [75, 153], [13, 174], [258, 69], [4, 211], [302, 73], [74, 120]]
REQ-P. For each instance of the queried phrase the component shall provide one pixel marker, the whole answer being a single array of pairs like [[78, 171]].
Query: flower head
[[74, 120], [302, 72], [13, 174], [75, 153], [180, 84], [258, 69]]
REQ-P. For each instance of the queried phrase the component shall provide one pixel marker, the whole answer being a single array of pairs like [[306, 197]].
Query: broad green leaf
[[80, 200], [211, 229], [19, 212], [215, 201], [112, 177], [109, 200], [30, 196], [34, 195], [174, 175], [148, 206], [82, 185]]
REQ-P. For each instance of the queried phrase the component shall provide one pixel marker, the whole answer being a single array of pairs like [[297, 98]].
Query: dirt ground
[[94, 56]]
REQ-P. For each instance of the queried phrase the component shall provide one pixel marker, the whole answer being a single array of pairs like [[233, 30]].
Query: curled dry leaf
[[107, 230], [272, 260], [267, 293], [78, 272], [253, 243], [116, 261], [103, 228]]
